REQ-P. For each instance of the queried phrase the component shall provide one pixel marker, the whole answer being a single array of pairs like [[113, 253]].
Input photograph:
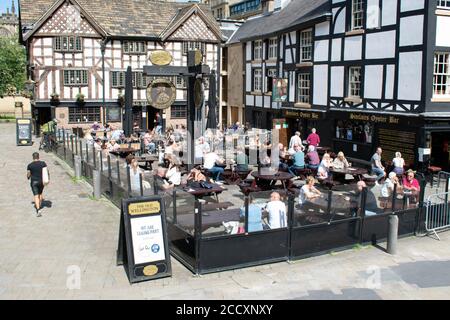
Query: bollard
[[77, 164], [392, 234], [97, 183]]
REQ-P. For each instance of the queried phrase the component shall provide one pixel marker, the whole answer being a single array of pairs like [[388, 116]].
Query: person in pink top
[[313, 139], [410, 182]]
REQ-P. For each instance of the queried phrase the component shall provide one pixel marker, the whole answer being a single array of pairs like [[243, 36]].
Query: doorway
[[440, 155], [44, 115]]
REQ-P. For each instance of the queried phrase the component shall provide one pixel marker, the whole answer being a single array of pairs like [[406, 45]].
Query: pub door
[[151, 114], [44, 115], [440, 155]]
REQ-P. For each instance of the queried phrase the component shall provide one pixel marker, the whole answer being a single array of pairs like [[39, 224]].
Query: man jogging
[[34, 174]]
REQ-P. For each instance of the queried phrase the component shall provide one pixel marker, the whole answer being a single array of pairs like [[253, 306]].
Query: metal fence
[[437, 213]]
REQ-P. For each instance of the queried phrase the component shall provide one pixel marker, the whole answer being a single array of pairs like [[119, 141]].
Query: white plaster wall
[[380, 45], [410, 76], [337, 81], [353, 48], [320, 85], [411, 30], [373, 82]]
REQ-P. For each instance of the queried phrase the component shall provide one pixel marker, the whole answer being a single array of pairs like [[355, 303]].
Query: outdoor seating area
[[254, 206]]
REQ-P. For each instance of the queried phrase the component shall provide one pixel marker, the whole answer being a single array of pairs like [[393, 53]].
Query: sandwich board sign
[[143, 246], [23, 130]]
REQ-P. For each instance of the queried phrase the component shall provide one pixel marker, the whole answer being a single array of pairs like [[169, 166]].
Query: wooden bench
[[364, 163], [216, 206]]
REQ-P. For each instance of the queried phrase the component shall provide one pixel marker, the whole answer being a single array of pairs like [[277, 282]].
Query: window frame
[[139, 80], [178, 114], [301, 97], [350, 88], [254, 77], [257, 48], [84, 75], [357, 15], [59, 41], [306, 45], [193, 45], [444, 74], [136, 47], [272, 46], [443, 4], [95, 114]]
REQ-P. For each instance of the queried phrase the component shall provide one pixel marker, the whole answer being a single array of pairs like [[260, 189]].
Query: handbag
[[45, 177], [205, 185]]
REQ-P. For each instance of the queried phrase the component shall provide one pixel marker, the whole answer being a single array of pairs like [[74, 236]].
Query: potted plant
[[54, 99], [80, 98]]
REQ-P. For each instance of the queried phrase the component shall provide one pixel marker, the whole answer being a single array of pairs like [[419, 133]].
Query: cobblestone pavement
[[39, 255]]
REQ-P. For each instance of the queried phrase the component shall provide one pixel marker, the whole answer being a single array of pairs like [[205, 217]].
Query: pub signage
[[374, 118], [143, 245], [302, 115], [23, 132]]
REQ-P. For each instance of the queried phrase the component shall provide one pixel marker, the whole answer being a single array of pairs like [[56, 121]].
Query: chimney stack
[[268, 6], [13, 8]]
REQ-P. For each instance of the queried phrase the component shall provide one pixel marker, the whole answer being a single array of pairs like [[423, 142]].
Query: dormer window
[[67, 44], [134, 47]]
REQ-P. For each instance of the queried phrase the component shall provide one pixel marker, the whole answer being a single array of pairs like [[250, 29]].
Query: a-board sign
[[24, 131], [143, 246]]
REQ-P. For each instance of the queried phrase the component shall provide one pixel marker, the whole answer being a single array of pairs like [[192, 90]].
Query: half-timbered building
[[78, 52], [365, 73]]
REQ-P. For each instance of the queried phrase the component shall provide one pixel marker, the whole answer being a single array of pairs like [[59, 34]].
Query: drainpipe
[[103, 49], [219, 81]]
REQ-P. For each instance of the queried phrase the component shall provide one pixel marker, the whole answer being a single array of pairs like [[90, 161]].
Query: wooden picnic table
[[199, 193], [209, 219], [357, 173], [279, 176], [148, 160], [124, 152]]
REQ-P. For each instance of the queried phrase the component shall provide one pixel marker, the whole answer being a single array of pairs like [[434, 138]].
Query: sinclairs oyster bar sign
[[374, 118]]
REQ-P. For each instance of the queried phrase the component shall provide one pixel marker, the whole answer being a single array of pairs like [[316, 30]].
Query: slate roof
[[295, 13], [144, 18]]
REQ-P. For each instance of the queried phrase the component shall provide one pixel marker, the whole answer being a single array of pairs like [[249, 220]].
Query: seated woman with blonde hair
[[340, 162]]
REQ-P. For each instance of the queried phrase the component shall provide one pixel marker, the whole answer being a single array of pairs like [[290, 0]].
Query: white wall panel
[[390, 80], [380, 45], [248, 77], [411, 30], [321, 50], [373, 82], [389, 12], [248, 51], [259, 102], [373, 14], [410, 76], [249, 100], [339, 25], [337, 82], [336, 50], [443, 31], [323, 29], [353, 48], [409, 5], [320, 85]]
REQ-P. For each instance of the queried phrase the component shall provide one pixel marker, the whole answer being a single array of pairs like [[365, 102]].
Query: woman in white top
[[173, 174], [308, 191], [399, 163], [135, 176]]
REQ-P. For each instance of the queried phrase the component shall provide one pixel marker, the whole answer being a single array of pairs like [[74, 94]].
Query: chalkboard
[[23, 128], [143, 245], [114, 114]]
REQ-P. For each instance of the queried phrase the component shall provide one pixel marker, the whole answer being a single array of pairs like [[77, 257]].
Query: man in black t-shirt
[[34, 174]]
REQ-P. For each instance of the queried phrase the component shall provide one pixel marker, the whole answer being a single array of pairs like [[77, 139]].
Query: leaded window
[[355, 82], [75, 77], [303, 87], [441, 79], [67, 44], [357, 14], [306, 46]]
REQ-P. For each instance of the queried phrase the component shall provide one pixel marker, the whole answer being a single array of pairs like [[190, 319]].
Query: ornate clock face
[[198, 93], [161, 93]]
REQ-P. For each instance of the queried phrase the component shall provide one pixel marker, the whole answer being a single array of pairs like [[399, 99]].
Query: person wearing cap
[[113, 146], [389, 184], [410, 183]]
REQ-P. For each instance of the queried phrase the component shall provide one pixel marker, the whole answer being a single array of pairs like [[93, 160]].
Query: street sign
[[23, 130], [161, 93], [143, 245]]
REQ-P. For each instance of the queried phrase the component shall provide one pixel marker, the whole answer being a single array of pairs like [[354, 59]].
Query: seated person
[[299, 161], [292, 150], [323, 172], [277, 212], [211, 164], [173, 174], [283, 153], [98, 144], [371, 201], [148, 141], [340, 162], [112, 145], [312, 158], [254, 216], [160, 182], [411, 184], [389, 184], [135, 175], [308, 192]]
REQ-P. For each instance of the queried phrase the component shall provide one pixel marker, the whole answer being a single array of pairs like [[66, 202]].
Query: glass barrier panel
[[312, 209], [184, 214], [375, 203], [268, 210]]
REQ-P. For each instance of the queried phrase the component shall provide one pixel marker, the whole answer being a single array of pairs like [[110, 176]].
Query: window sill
[[302, 105], [76, 85], [354, 100], [304, 64], [355, 32], [440, 99], [257, 61], [442, 12], [269, 93], [256, 93], [272, 60]]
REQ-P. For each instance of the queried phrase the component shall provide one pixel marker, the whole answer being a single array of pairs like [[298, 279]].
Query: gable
[[194, 28], [67, 20]]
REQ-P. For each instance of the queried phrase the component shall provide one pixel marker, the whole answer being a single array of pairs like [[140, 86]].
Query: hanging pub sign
[[161, 93], [198, 93], [160, 57], [143, 246], [279, 89], [23, 130]]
